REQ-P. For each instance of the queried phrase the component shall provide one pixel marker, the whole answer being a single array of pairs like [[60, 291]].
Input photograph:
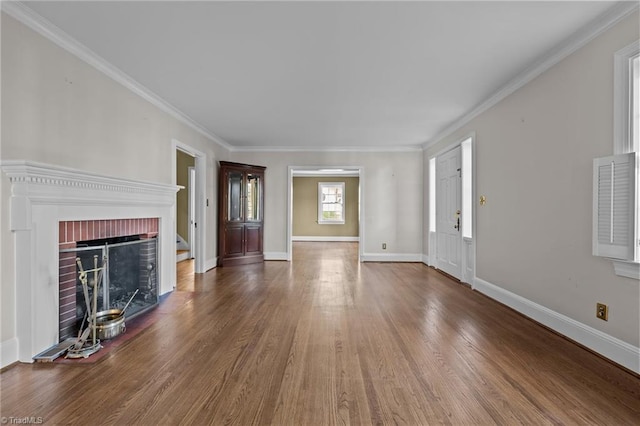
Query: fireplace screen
[[130, 266]]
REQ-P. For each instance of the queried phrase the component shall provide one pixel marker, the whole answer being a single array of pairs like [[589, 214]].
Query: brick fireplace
[[72, 234], [50, 202]]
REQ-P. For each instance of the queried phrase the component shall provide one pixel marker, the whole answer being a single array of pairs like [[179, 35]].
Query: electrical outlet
[[602, 311], [384, 246]]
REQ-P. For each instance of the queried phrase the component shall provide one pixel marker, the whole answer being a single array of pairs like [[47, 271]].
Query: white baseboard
[[608, 346], [8, 352], [274, 255], [425, 259], [182, 256], [323, 239], [391, 257], [210, 263]]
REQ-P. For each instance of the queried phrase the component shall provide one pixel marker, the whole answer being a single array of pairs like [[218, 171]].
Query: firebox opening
[[130, 265]]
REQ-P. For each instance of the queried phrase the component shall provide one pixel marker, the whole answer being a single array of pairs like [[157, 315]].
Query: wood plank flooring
[[326, 340]]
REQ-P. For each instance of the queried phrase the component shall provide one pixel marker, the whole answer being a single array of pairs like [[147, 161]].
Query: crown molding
[[21, 12], [47, 29], [31, 19], [401, 148], [580, 38]]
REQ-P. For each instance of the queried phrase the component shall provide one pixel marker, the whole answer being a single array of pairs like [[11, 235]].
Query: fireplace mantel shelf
[[29, 172]]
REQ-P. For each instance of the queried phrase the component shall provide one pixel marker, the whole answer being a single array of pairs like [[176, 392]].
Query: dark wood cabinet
[[241, 214]]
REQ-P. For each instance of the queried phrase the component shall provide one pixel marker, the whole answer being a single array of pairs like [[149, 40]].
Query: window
[[331, 203], [635, 104], [467, 189], [616, 188], [626, 99]]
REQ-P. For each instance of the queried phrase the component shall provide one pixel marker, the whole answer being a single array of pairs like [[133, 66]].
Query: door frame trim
[[201, 198], [191, 211]]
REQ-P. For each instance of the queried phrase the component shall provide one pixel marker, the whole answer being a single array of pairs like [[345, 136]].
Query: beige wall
[[183, 162], [534, 164], [305, 208], [391, 186], [56, 109]]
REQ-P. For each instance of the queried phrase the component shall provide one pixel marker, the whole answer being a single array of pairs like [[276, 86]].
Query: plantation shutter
[[615, 211]]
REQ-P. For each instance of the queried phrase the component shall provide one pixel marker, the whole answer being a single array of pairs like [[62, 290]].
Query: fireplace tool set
[[83, 347], [100, 325]]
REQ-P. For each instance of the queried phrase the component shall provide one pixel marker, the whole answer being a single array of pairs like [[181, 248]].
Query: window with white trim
[[626, 108], [635, 104], [331, 203], [467, 188], [616, 179]]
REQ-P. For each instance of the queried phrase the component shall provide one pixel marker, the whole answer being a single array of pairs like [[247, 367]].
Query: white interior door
[[448, 212]]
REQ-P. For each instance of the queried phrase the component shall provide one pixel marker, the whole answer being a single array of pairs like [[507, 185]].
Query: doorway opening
[[189, 170], [325, 205]]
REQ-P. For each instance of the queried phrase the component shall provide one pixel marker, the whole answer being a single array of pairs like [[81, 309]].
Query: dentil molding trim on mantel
[[34, 173]]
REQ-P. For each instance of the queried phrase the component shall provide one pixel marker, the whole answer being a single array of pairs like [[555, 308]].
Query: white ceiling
[[322, 74]]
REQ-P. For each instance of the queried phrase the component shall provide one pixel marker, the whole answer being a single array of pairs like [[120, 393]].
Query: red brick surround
[[85, 230], [72, 231]]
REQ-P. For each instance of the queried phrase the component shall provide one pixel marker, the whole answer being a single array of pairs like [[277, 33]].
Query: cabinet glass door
[[253, 198], [234, 212]]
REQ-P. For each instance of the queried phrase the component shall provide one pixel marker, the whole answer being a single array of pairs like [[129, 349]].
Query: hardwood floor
[[327, 340]]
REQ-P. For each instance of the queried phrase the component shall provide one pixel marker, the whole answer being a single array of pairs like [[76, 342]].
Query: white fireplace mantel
[[43, 195]]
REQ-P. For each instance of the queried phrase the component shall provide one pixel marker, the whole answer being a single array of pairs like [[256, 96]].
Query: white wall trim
[[425, 259], [8, 352], [200, 163], [44, 27], [391, 257], [42, 195], [608, 346], [211, 264], [400, 148], [626, 269], [328, 239], [580, 38], [276, 255]]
